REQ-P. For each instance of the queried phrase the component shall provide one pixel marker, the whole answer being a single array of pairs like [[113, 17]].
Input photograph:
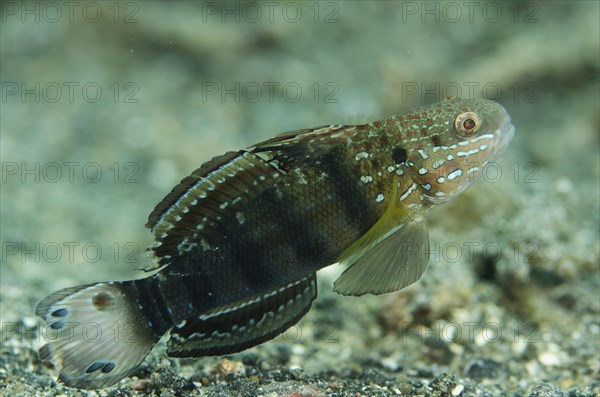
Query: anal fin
[[243, 324]]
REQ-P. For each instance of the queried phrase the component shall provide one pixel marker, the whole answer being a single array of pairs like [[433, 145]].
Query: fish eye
[[466, 123]]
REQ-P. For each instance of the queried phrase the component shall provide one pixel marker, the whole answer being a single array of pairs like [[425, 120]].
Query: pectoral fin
[[392, 255], [396, 262]]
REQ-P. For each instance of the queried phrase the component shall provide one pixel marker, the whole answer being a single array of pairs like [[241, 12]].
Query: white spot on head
[[454, 174], [438, 163], [441, 179], [224, 205], [408, 192], [467, 153], [484, 136], [422, 171], [423, 154], [379, 197], [426, 186], [450, 157]]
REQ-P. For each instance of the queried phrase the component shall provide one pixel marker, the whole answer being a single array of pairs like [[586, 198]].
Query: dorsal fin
[[185, 184], [290, 138], [305, 135], [243, 324], [214, 191], [290, 148]]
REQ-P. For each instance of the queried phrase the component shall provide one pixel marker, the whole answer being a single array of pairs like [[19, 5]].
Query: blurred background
[[105, 106]]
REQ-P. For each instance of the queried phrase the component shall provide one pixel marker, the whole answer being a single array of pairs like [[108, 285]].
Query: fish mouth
[[504, 135]]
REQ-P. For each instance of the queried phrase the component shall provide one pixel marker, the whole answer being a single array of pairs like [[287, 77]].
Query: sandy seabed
[[107, 105]]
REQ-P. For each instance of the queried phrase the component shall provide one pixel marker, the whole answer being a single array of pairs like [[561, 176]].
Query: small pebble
[[139, 385], [482, 368], [227, 367], [458, 390], [546, 390]]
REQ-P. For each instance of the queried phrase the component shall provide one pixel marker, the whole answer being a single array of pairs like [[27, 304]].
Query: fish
[[239, 241]]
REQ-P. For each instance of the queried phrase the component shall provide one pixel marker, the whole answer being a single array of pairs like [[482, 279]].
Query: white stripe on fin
[[245, 323]]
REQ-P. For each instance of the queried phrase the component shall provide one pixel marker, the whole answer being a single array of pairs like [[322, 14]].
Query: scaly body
[[242, 237]]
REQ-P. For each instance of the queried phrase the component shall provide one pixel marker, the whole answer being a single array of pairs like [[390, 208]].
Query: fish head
[[451, 154]]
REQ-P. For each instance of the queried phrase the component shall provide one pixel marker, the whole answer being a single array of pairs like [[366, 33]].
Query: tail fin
[[96, 334]]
